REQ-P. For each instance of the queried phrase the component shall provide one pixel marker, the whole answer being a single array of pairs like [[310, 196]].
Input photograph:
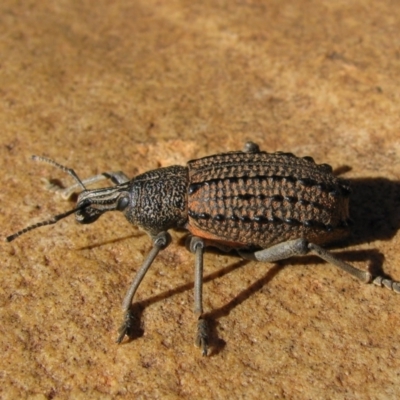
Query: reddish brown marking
[[209, 236]]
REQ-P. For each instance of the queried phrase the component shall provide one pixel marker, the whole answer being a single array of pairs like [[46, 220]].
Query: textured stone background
[[134, 85]]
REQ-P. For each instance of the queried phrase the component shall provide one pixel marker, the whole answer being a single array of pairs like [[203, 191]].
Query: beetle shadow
[[111, 241], [374, 209]]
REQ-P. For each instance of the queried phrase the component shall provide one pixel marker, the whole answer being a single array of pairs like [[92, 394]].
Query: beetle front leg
[[160, 242], [196, 246]]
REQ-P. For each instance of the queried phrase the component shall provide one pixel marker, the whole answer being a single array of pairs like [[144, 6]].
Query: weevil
[[265, 206]]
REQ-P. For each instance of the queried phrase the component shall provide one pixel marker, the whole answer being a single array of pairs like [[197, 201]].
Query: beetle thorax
[[159, 199]]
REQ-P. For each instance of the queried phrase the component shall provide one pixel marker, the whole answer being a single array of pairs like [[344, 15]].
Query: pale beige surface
[[134, 85]]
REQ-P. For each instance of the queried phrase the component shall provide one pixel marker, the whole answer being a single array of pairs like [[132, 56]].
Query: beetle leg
[[117, 177], [196, 246], [278, 252], [160, 242], [364, 276], [300, 247]]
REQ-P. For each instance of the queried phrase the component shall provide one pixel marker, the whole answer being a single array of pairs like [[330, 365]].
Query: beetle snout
[[93, 203]]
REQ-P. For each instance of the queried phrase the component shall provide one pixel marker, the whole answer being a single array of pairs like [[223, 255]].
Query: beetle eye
[[122, 203]]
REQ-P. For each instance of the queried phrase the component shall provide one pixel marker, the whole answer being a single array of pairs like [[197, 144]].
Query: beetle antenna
[[50, 221], [69, 171]]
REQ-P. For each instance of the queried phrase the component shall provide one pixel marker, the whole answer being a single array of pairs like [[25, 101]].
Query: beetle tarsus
[[202, 336], [387, 283], [126, 329]]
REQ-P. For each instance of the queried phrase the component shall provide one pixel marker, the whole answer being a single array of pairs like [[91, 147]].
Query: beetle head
[[92, 204]]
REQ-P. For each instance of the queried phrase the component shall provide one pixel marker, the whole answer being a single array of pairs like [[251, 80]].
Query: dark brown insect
[[266, 206]]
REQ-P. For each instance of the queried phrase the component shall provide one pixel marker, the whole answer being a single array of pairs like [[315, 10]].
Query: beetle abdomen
[[260, 199]]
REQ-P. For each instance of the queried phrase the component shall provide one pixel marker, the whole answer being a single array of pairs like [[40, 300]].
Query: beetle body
[[267, 206], [238, 200]]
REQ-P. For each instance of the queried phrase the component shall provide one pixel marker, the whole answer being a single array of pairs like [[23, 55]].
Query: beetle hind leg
[[364, 276], [299, 247], [278, 252]]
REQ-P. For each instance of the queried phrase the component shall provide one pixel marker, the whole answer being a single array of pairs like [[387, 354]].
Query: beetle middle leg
[[299, 247], [196, 246]]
